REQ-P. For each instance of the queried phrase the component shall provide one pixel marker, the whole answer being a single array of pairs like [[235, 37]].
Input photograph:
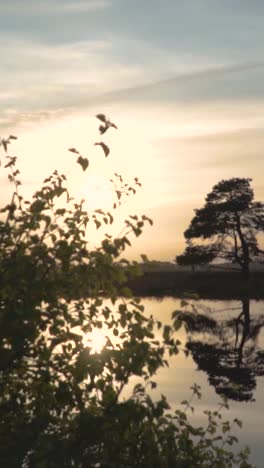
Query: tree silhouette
[[229, 224], [227, 351]]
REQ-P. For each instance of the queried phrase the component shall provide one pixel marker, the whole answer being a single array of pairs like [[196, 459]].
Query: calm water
[[225, 353]]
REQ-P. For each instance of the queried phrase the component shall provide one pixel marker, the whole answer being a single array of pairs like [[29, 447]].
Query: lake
[[226, 348]]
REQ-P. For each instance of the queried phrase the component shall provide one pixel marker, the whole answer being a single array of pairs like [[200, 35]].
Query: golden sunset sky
[[183, 80]]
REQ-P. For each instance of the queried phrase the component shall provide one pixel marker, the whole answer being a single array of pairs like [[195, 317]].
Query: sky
[[183, 81]]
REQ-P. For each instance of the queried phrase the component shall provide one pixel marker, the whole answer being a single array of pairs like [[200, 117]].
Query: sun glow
[[97, 192], [96, 340]]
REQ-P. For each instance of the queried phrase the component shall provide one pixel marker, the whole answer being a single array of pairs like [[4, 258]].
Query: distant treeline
[[206, 284]]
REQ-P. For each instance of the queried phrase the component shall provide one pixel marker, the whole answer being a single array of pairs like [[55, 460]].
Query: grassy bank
[[215, 285]]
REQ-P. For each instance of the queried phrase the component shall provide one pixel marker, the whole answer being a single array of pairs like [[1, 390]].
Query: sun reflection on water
[[95, 339]]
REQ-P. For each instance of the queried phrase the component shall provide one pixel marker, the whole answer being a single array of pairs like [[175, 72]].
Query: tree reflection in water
[[227, 350]]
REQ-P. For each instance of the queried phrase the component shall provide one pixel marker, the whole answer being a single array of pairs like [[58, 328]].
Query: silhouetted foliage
[[61, 401], [196, 255], [229, 223]]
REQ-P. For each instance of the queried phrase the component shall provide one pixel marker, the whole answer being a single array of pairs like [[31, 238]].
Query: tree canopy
[[61, 400], [229, 225]]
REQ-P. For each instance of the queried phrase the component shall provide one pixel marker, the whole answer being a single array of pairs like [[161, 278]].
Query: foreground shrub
[[61, 401]]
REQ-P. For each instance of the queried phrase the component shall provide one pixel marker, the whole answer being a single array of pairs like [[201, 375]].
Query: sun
[[95, 339], [97, 192]]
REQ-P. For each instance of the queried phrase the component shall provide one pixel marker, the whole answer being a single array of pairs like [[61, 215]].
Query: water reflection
[[96, 339], [231, 334], [227, 349]]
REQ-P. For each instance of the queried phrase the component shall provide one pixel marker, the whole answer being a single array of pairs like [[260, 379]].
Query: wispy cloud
[[186, 86], [49, 7], [47, 77], [72, 74]]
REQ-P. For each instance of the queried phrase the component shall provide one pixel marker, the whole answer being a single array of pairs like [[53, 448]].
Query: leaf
[[184, 303], [166, 332], [101, 117], [12, 137], [59, 191], [37, 206], [113, 125], [83, 162], [97, 223], [238, 422], [144, 258], [176, 313], [73, 150], [5, 143], [102, 129], [105, 148], [10, 163], [177, 325]]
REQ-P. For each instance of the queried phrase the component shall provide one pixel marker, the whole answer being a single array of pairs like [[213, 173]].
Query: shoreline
[[206, 285]]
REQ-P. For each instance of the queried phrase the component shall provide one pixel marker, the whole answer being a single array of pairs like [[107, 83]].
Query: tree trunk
[[245, 250], [245, 271], [246, 328]]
